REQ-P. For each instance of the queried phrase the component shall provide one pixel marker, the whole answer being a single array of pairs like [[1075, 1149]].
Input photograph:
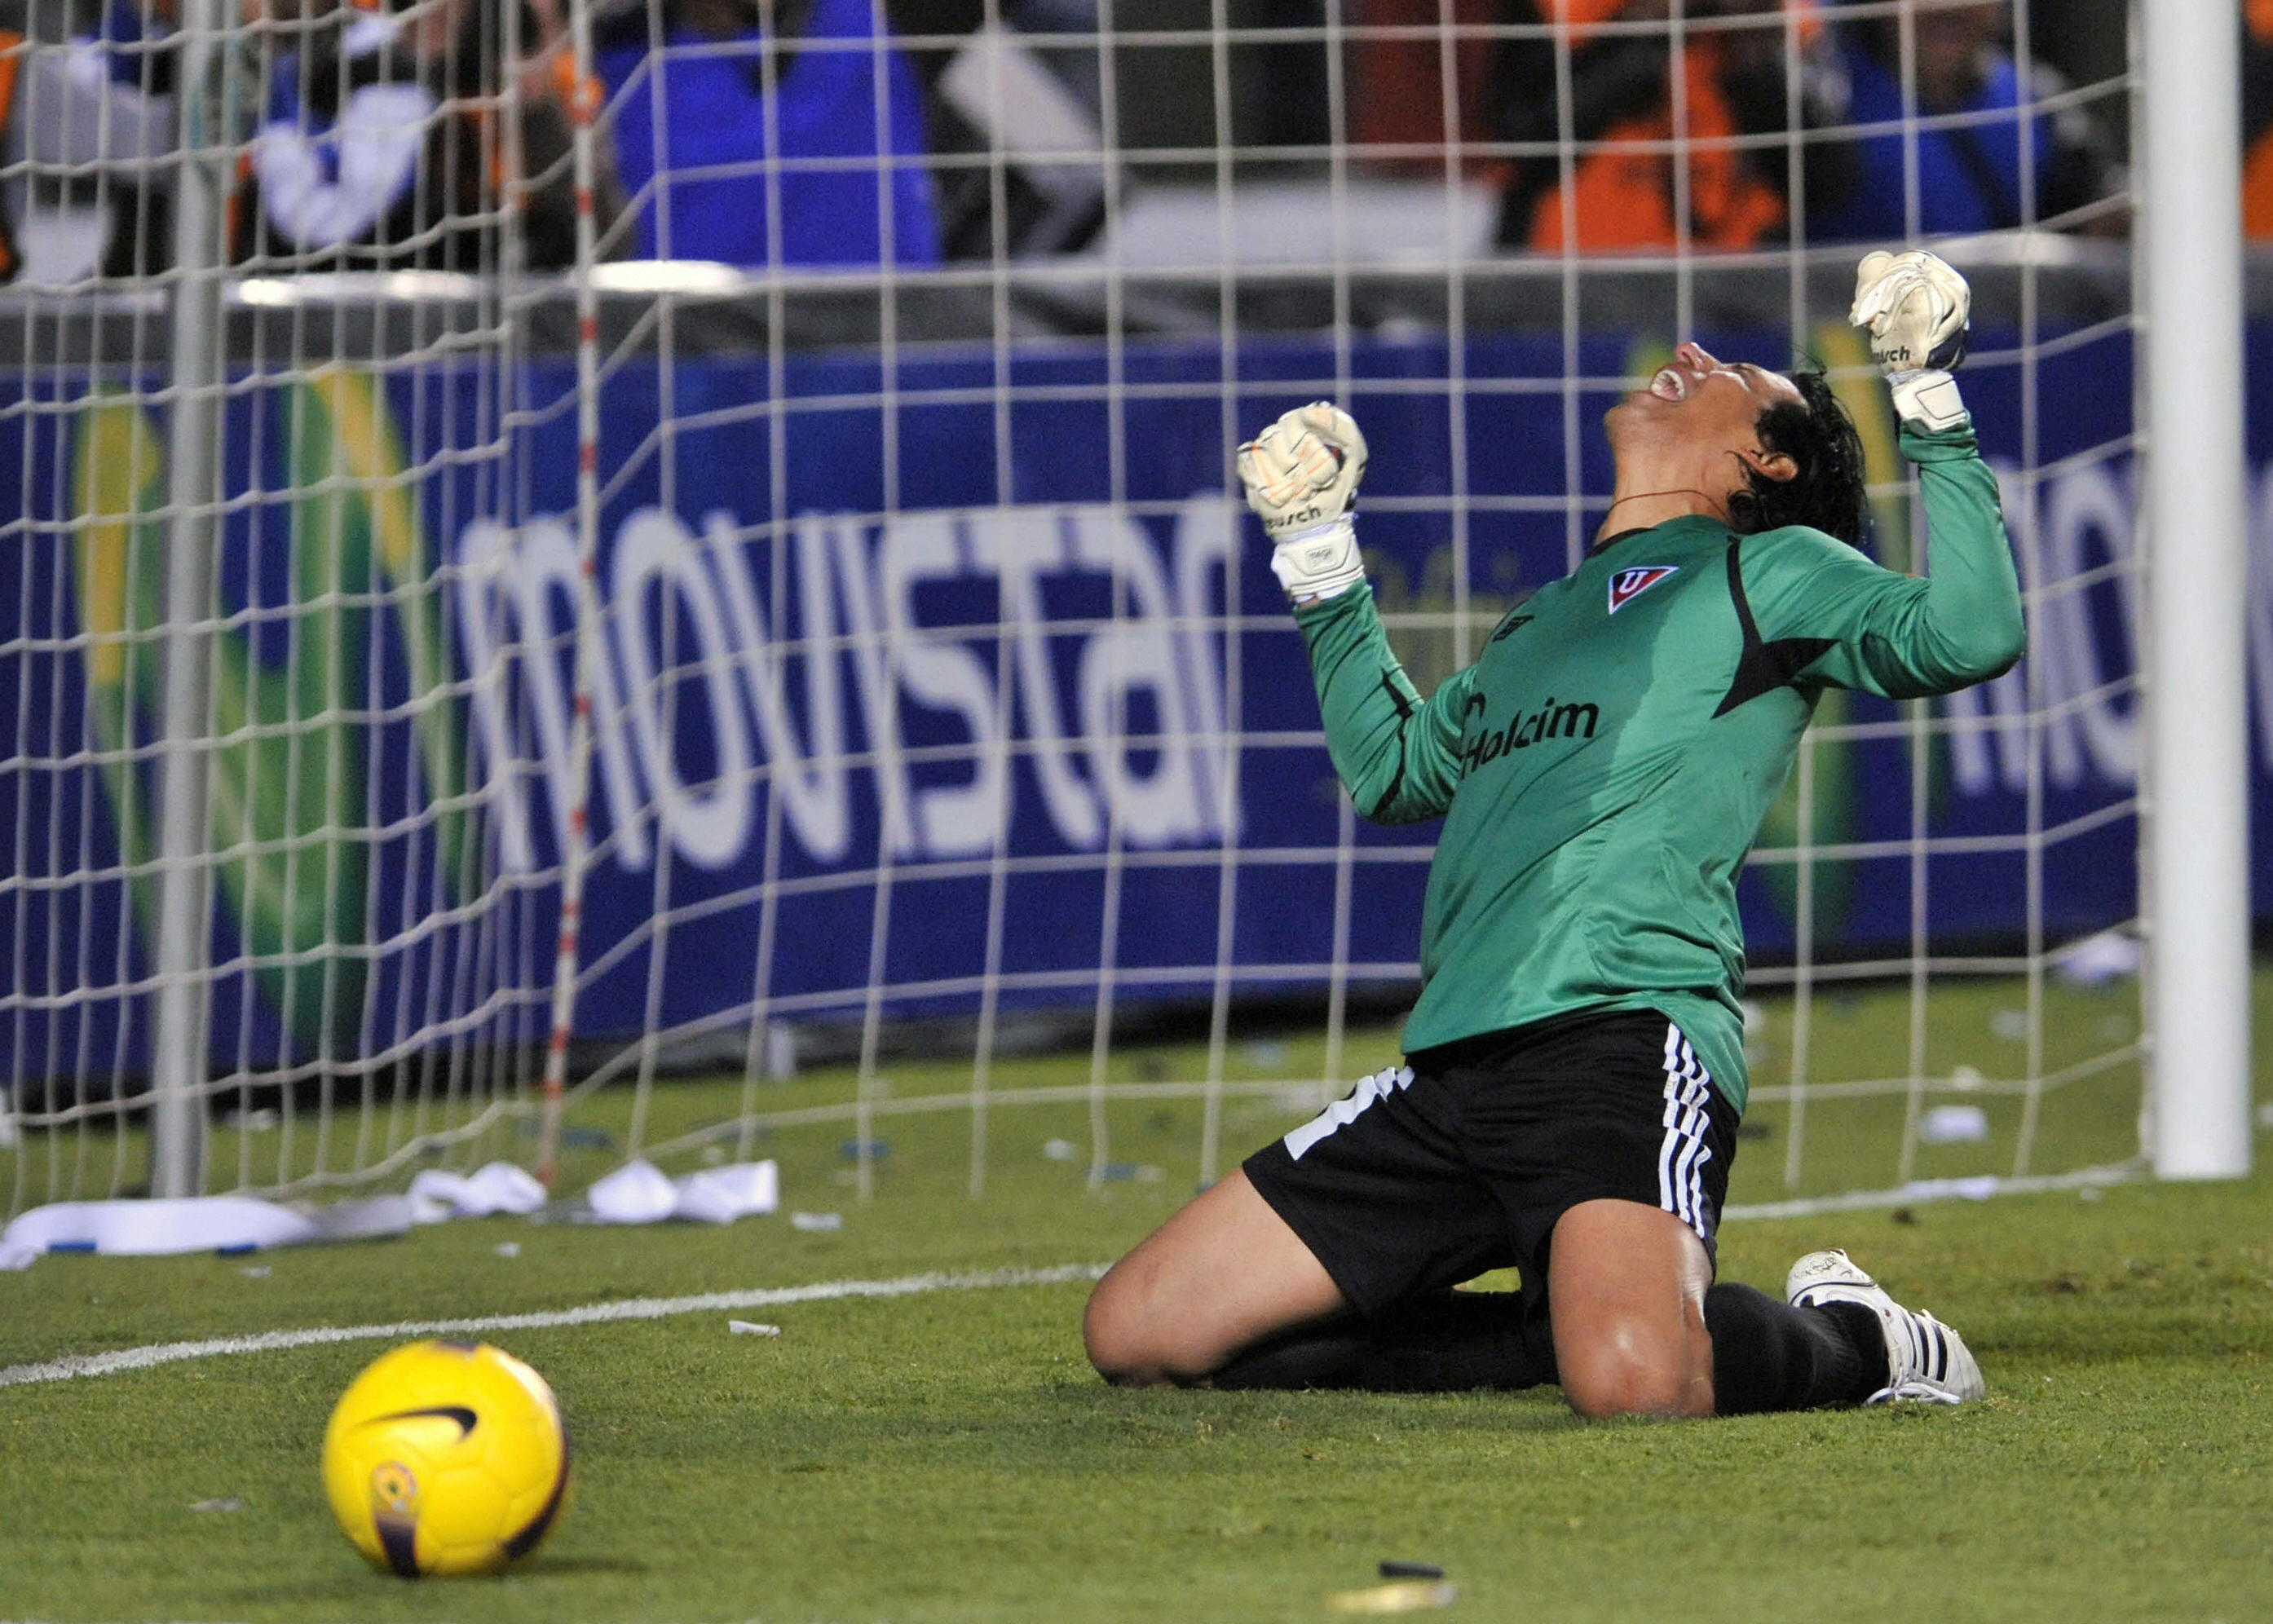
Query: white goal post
[[2197, 811]]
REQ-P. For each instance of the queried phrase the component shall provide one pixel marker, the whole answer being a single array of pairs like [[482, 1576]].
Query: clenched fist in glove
[[1915, 307], [1301, 476]]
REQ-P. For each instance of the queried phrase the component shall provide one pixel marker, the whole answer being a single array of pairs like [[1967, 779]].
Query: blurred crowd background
[[393, 134]]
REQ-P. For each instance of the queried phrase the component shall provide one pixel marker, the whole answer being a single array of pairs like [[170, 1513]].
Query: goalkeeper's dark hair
[[1827, 490]]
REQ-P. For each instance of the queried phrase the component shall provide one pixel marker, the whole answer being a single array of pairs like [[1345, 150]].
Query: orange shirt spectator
[[2257, 118], [1621, 191]]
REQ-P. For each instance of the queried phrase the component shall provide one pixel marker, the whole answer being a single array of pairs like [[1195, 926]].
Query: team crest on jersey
[[1627, 585]]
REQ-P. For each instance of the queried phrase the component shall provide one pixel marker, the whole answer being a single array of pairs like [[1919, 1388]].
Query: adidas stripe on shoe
[[1926, 1361]]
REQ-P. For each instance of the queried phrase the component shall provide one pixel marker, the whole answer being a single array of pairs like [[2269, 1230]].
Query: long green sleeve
[[1398, 754], [1897, 635]]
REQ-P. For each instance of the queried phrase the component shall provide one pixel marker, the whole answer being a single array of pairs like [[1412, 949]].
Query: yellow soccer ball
[[446, 1457]]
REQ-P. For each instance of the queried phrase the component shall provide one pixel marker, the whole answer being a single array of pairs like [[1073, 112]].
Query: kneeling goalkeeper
[[1574, 1069]]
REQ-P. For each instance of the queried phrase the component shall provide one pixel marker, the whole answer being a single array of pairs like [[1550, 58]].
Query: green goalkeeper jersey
[[1603, 766]]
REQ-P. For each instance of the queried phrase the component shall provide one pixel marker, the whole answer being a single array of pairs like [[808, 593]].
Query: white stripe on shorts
[[1682, 1154], [1344, 1112]]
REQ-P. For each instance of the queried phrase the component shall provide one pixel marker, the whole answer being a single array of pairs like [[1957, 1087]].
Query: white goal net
[[760, 471]]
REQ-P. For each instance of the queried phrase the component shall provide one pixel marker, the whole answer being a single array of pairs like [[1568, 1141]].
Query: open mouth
[[1670, 384]]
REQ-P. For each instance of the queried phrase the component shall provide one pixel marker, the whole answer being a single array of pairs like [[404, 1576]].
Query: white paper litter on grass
[[638, 1192], [437, 1196], [154, 1228], [146, 1228], [1953, 1125], [2097, 959], [751, 1327], [634, 1193], [722, 1194]]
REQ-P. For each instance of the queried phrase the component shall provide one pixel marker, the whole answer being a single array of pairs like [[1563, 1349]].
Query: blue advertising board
[[997, 648]]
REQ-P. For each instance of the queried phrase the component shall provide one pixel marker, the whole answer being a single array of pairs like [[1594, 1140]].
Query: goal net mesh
[[817, 561]]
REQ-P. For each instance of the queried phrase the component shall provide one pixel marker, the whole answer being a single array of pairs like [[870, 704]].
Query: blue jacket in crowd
[[826, 106], [1969, 172]]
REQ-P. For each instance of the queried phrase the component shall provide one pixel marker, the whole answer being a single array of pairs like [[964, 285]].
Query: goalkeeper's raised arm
[[1397, 754], [1885, 633]]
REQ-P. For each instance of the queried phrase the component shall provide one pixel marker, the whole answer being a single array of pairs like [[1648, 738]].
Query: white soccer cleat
[[1925, 1359]]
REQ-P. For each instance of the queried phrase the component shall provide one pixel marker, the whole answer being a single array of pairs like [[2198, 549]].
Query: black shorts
[[1463, 1160]]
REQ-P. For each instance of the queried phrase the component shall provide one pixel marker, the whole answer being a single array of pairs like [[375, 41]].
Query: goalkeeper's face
[[1699, 405]]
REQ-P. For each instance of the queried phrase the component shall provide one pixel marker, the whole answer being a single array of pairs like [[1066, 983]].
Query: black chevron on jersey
[[1763, 666]]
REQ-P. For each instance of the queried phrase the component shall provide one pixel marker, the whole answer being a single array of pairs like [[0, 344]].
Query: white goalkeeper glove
[[1301, 476], [1914, 308]]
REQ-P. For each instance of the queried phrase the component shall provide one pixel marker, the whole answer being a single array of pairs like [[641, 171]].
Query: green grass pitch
[[950, 1457]]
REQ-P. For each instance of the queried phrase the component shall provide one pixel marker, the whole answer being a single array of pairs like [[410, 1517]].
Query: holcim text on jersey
[[1573, 719]]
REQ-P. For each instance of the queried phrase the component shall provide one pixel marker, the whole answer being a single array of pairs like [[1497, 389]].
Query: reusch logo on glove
[[1627, 585]]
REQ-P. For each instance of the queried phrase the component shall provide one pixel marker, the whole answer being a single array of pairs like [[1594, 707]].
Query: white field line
[[113, 1363]]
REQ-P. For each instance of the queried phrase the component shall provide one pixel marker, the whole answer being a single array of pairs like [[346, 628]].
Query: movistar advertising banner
[[903, 686]]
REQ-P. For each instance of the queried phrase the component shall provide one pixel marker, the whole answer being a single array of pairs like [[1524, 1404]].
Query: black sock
[[1767, 1354], [1446, 1341]]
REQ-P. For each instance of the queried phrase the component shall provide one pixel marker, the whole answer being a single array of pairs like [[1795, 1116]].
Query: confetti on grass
[[1406, 1596]]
